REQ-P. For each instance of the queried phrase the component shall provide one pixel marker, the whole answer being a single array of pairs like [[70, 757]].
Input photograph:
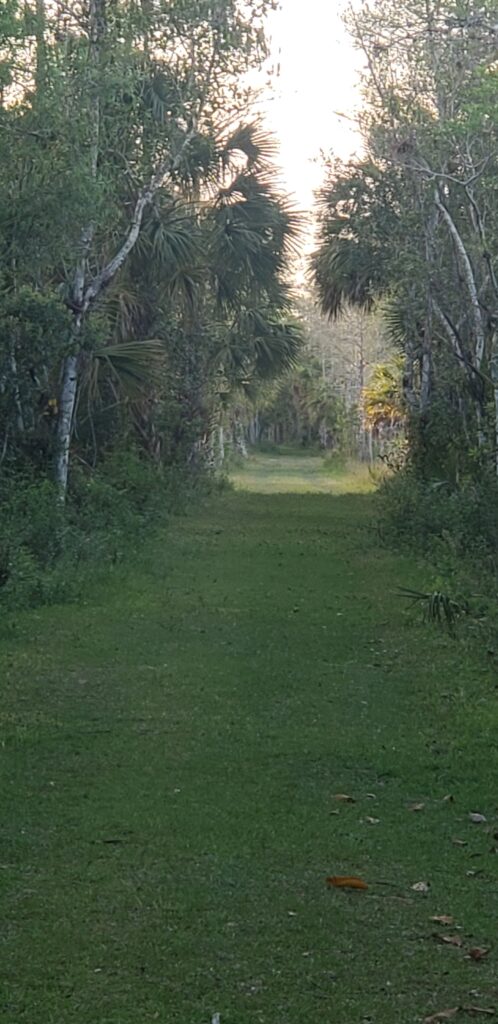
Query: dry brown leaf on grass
[[372, 821], [478, 952], [477, 819], [449, 1014], [442, 1015], [344, 798], [443, 919], [459, 842], [421, 887], [416, 807], [346, 882], [449, 940]]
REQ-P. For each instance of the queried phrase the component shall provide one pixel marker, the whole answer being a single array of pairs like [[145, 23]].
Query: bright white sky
[[318, 77]]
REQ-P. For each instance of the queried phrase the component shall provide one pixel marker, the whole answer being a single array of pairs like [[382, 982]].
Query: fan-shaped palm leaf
[[252, 141], [345, 274], [133, 367], [262, 344]]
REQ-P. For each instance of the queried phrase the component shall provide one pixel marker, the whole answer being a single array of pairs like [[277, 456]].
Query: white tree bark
[[85, 296], [239, 440], [425, 379], [469, 279], [70, 371], [221, 444], [465, 363], [65, 422]]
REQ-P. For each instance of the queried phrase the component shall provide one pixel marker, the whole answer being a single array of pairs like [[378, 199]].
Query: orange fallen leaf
[[443, 919], [442, 1015], [345, 798], [478, 953], [346, 882], [449, 940]]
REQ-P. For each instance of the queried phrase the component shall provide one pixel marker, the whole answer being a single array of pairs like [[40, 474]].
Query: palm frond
[[252, 141], [134, 368], [262, 344], [439, 607], [172, 238], [344, 274], [254, 233]]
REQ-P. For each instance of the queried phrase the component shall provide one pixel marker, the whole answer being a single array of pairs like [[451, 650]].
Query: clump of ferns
[[438, 607]]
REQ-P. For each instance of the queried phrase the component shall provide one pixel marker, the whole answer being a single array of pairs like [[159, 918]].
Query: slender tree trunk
[[425, 379], [408, 380], [221, 445], [79, 301], [20, 422], [468, 273], [371, 455], [239, 438], [494, 378], [41, 53], [65, 423]]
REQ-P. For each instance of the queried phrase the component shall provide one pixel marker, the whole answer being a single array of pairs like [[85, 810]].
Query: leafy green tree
[[415, 222], [140, 209]]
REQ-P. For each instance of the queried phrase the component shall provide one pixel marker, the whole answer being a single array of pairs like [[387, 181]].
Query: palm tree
[[207, 282]]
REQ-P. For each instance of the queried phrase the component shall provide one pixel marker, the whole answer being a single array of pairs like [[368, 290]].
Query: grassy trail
[[171, 753]]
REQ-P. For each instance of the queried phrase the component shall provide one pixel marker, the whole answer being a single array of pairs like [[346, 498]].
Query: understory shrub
[[47, 553], [455, 526], [420, 512]]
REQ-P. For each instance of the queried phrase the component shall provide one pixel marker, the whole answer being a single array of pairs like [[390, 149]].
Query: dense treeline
[[143, 256], [412, 225], [343, 392]]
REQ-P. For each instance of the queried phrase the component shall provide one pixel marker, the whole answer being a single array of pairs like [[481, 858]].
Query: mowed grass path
[[172, 749]]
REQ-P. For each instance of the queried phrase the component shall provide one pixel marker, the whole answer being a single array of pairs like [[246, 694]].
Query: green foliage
[[304, 408], [438, 607], [47, 554], [144, 247], [382, 397], [415, 223], [358, 225], [421, 512], [455, 528]]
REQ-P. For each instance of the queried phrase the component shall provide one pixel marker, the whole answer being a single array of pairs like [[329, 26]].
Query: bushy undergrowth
[[456, 528], [47, 553], [421, 512]]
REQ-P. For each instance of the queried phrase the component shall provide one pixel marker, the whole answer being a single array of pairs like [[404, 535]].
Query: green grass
[[172, 748], [301, 473]]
